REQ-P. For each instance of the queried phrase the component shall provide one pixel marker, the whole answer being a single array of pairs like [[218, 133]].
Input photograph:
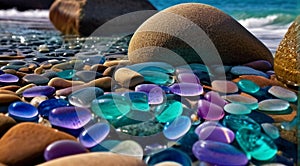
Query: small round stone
[[35, 79], [217, 133], [129, 148], [248, 86], [63, 148], [250, 102], [244, 70], [271, 130], [237, 109], [46, 106], [39, 91], [8, 78], [236, 122], [283, 93], [87, 76], [22, 111], [70, 117], [218, 153], [256, 144], [84, 97], [273, 105], [209, 111], [224, 86], [66, 74], [186, 89], [155, 93], [177, 128], [94, 134]]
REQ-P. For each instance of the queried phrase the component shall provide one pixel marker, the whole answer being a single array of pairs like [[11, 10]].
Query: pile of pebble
[[65, 102]]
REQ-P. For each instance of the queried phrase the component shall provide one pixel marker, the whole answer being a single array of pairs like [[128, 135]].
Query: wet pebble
[[39, 91], [273, 105], [94, 135], [35, 79], [84, 97], [186, 89], [224, 86], [8, 78], [22, 111], [244, 70], [237, 109], [283, 93], [177, 128], [209, 111]]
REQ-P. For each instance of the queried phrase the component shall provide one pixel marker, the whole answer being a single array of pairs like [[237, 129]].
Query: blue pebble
[[244, 70], [94, 134], [46, 106], [22, 111], [39, 91], [177, 128]]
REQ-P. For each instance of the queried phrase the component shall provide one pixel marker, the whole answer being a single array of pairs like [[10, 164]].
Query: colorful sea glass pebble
[[250, 102], [248, 86], [237, 109], [70, 117], [46, 106], [177, 128], [244, 70], [206, 124], [8, 78], [111, 106], [63, 148], [22, 111], [209, 111], [235, 122], [256, 144], [188, 77], [155, 93], [218, 153], [273, 105], [283, 93], [139, 100], [157, 77], [152, 66], [224, 86], [186, 89], [216, 133], [39, 91], [129, 148], [84, 97], [170, 111], [271, 130], [66, 74], [214, 97], [94, 134]]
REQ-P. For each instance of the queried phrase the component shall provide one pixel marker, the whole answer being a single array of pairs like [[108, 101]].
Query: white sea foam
[[13, 13]]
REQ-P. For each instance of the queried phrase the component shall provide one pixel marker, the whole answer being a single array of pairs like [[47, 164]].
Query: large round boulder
[[83, 17], [195, 33]]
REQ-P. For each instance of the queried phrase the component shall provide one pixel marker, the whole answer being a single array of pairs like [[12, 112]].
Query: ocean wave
[[278, 20], [14, 13]]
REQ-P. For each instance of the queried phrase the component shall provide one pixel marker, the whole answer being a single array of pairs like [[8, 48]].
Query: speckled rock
[[96, 158], [154, 40], [127, 77], [30, 140], [286, 62]]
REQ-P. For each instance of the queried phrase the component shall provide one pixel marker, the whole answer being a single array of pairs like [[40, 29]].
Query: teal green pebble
[[283, 93], [157, 77], [110, 106], [248, 86], [237, 109], [236, 122], [250, 102], [256, 144], [66, 74], [271, 130], [171, 110], [139, 100]]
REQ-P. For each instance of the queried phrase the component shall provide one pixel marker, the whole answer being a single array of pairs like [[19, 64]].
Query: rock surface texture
[[172, 32], [85, 16]]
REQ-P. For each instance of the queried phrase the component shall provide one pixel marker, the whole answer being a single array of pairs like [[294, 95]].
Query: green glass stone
[[169, 111], [139, 100], [66, 74], [236, 122], [157, 77], [142, 129], [111, 106], [248, 86], [256, 144]]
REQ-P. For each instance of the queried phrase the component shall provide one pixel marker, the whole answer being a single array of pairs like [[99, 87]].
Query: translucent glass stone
[[206, 124], [256, 144], [39, 91], [216, 133], [94, 134], [170, 155], [215, 98], [273, 105], [224, 86], [70, 117], [129, 148], [66, 74], [177, 128], [283, 93], [8, 78], [209, 111], [218, 153], [84, 97], [271, 130], [244, 70], [147, 128], [152, 66], [157, 77], [248, 86], [46, 106], [111, 106], [250, 102], [186, 89], [22, 111], [172, 109], [139, 100], [237, 109], [235, 122], [155, 93], [63, 148], [188, 78]]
